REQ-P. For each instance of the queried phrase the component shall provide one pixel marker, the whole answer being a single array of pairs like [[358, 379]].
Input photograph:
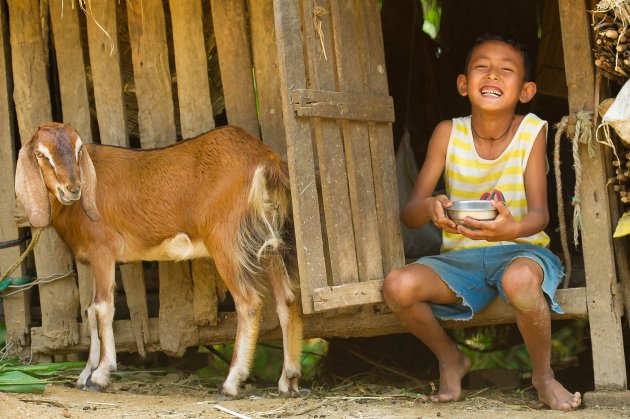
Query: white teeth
[[493, 93]]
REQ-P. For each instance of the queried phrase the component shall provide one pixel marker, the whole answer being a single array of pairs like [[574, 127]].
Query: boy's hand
[[439, 217], [501, 228]]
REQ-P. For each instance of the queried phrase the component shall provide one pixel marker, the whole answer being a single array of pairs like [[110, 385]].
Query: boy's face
[[495, 78]]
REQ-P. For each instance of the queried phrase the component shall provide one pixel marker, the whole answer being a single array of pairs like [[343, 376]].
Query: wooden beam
[[366, 321], [601, 281], [339, 105]]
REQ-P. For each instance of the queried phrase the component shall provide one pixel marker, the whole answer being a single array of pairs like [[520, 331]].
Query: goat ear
[[88, 188], [30, 189]]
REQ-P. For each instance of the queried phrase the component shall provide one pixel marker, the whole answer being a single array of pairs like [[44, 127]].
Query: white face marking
[[77, 147], [46, 152]]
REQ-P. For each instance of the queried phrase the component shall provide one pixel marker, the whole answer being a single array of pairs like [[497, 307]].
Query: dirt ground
[[175, 396]]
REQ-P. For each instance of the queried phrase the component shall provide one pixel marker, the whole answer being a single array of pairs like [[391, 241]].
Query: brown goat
[[223, 194]]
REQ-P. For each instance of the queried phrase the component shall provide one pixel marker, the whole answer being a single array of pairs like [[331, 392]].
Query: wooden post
[[601, 281], [235, 63], [110, 107], [59, 299], [17, 310], [147, 32]]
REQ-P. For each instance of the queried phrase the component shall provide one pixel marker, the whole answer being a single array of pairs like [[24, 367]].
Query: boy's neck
[[492, 127]]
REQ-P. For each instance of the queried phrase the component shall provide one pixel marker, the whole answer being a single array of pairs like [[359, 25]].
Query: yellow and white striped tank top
[[468, 176]]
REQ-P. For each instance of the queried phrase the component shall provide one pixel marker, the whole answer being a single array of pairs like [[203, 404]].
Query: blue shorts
[[475, 276]]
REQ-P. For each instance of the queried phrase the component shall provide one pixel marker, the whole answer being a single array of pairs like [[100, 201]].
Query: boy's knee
[[397, 289], [522, 286]]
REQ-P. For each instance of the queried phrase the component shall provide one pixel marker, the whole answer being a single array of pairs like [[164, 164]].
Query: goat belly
[[176, 248]]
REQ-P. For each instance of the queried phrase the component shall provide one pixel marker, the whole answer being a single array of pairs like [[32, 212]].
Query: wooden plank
[[110, 106], [235, 63], [74, 101], [333, 174], [352, 79], [382, 146], [308, 232], [193, 89], [367, 322], [147, 32], [106, 74], [132, 276], [59, 299], [206, 280], [605, 323], [71, 68], [265, 58], [337, 105], [195, 110], [149, 52], [17, 313]]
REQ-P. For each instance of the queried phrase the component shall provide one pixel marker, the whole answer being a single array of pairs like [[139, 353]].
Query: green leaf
[[18, 382]]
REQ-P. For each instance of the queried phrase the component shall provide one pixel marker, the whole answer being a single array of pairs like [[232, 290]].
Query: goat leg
[[95, 350], [248, 312], [291, 324], [102, 357]]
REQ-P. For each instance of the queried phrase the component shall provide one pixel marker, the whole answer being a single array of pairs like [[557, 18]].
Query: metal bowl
[[478, 209]]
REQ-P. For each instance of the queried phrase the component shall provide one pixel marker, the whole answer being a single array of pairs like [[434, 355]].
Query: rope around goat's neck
[[36, 233], [581, 125]]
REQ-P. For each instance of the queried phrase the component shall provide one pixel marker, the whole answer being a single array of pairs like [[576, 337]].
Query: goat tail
[[267, 228]]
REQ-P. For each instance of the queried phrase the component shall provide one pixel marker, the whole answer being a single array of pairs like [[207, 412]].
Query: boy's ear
[[527, 91], [462, 85]]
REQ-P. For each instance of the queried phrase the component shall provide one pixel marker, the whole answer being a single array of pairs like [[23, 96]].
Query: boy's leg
[[521, 283], [408, 292]]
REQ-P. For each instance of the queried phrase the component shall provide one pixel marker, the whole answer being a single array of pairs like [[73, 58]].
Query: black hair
[[506, 39]]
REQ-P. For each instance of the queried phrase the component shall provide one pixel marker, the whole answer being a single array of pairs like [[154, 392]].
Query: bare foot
[[552, 393], [451, 375]]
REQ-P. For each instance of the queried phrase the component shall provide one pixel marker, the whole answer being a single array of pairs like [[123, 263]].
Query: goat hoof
[[90, 386], [222, 397], [290, 394]]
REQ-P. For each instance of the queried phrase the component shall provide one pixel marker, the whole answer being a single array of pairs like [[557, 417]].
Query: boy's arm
[[505, 227], [422, 206]]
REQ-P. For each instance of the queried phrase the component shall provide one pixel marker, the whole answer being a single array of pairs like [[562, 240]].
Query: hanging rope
[[578, 128], [36, 233]]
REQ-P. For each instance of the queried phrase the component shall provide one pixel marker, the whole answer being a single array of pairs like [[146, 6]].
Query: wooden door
[[337, 116]]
